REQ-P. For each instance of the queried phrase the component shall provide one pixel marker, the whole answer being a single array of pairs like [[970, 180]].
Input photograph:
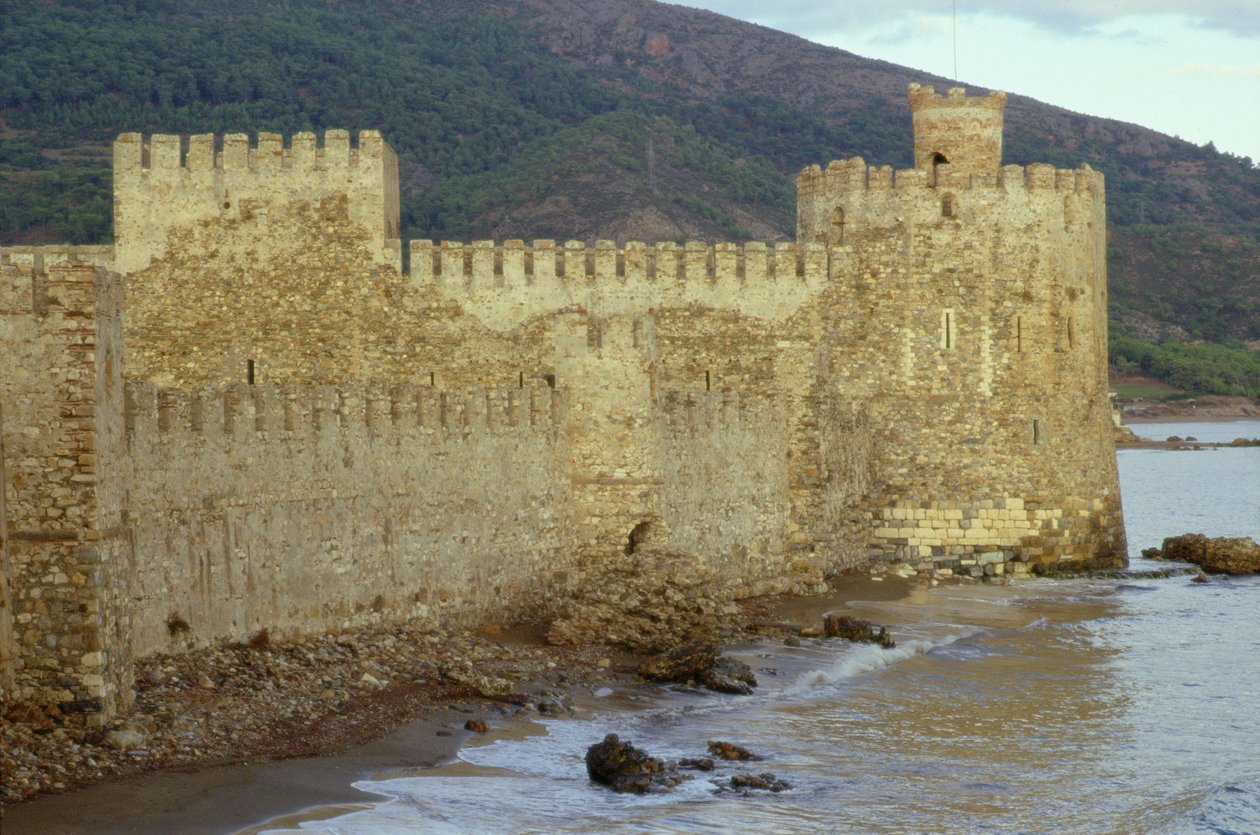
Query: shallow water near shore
[[1038, 706]]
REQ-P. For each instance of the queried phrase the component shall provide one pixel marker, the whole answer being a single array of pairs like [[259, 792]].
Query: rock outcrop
[[1218, 555]]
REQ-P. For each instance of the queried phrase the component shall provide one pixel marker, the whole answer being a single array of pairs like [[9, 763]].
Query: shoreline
[[261, 782]]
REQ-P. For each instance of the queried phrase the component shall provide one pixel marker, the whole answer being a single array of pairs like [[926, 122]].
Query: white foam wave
[[860, 659]]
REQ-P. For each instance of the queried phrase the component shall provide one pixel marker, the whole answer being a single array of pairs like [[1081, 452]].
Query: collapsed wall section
[[60, 338], [306, 509]]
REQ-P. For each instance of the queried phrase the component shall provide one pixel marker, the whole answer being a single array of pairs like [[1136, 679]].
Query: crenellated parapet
[[848, 199], [166, 183], [504, 284], [243, 415]]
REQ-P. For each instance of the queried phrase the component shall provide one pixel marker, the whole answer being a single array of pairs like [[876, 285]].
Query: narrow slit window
[[249, 371], [432, 379], [837, 228], [947, 329], [1036, 431], [520, 383], [708, 381], [1071, 333], [1019, 334]]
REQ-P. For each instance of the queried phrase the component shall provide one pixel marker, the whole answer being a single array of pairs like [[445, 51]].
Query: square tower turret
[[961, 131]]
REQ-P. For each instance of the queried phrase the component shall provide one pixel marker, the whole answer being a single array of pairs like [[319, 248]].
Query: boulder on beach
[[624, 768], [1218, 555], [700, 663], [855, 629]]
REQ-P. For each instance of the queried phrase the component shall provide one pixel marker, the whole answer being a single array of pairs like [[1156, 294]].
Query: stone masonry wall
[[62, 390], [308, 509], [8, 642]]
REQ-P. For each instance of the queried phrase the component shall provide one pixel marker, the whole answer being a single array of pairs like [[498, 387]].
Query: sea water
[[1100, 706]]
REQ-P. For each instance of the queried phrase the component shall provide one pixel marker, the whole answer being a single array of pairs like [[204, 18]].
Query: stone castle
[[246, 415]]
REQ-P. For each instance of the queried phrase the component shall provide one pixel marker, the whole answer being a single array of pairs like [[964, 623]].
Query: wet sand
[[234, 798]]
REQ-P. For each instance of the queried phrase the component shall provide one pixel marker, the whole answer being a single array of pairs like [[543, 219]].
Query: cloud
[[1238, 17], [1218, 71]]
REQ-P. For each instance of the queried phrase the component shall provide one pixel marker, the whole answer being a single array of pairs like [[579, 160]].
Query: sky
[[1188, 68]]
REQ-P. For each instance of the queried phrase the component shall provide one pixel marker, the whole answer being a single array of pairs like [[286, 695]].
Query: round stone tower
[[962, 132]]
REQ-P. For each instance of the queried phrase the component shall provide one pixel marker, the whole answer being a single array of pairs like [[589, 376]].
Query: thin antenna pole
[[955, 27]]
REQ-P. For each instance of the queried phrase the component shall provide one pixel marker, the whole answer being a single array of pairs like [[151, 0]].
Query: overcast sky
[[1190, 68]]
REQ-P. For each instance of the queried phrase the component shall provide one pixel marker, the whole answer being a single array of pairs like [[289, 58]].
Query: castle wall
[[62, 394], [309, 509], [504, 285]]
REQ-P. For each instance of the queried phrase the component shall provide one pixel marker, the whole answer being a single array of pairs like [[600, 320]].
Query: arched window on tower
[[836, 236], [938, 159]]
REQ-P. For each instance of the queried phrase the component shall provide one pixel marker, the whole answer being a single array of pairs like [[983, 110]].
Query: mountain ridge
[[580, 119]]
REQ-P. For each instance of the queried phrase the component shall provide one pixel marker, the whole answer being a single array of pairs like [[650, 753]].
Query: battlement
[[855, 176], [167, 186], [244, 413], [234, 152], [925, 97], [504, 283]]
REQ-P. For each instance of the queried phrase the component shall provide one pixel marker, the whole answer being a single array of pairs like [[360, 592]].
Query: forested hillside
[[623, 119]]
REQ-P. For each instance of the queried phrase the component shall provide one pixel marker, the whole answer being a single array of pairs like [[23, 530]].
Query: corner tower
[[967, 317]]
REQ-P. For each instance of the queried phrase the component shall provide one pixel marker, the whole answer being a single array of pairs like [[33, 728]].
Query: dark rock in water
[[856, 629], [1199, 578], [791, 641], [765, 781], [696, 763], [1152, 553], [477, 726], [730, 751], [726, 675], [624, 768], [700, 663], [1218, 555]]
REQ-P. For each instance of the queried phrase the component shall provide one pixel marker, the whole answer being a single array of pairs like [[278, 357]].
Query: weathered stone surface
[[855, 629], [702, 664], [650, 602], [624, 768], [1218, 555]]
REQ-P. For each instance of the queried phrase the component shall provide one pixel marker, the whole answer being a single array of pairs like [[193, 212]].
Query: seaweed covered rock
[[855, 629], [700, 663], [730, 751], [624, 768], [766, 782]]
